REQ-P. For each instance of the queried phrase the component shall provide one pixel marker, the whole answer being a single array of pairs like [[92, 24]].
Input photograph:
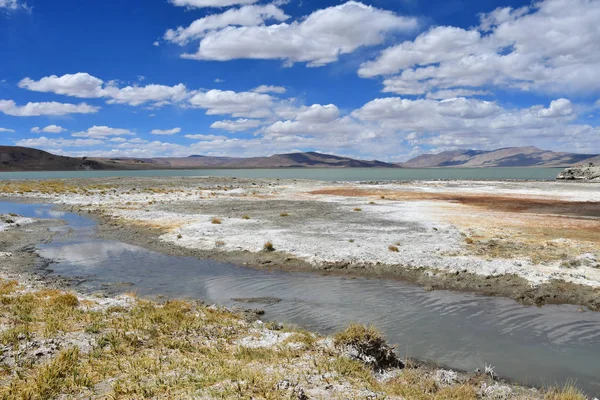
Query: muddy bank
[[512, 286], [535, 242], [18, 259], [108, 340]]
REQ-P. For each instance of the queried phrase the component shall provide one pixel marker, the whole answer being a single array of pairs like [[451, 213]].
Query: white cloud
[[137, 95], [81, 85], [209, 3], [13, 5], [563, 56], [318, 39], [269, 89], [48, 129], [102, 132], [84, 85], [30, 109], [558, 108], [137, 141], [319, 114], [244, 16], [462, 122], [238, 104], [7, 130], [238, 125], [165, 131], [156, 44], [452, 93], [45, 142], [206, 137]]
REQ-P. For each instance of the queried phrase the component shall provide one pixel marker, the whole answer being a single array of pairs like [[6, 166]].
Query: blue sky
[[385, 79]]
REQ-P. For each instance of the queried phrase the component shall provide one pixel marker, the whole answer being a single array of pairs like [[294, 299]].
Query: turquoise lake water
[[325, 174]]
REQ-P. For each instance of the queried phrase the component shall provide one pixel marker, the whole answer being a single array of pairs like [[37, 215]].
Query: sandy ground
[[537, 242]]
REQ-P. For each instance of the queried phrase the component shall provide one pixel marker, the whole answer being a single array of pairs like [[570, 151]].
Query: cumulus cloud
[[84, 85], [269, 89], [209, 3], [7, 130], [102, 132], [318, 39], [453, 93], [239, 125], [237, 104], [48, 129], [558, 108], [243, 16], [136, 95], [45, 142], [165, 131], [562, 56], [206, 137], [81, 85], [462, 122], [9, 107], [318, 113]]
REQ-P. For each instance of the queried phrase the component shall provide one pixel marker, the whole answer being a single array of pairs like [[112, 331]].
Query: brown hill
[[507, 157], [28, 159]]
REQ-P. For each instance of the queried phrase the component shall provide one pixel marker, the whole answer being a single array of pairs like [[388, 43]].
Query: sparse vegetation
[[184, 349], [245, 216], [284, 214], [358, 209], [216, 221], [393, 248], [219, 243], [372, 203], [568, 392], [268, 246]]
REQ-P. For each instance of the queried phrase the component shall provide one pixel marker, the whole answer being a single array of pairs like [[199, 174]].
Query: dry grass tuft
[[358, 209], [357, 334], [245, 216], [65, 300], [284, 214], [567, 392], [180, 349], [393, 248], [216, 221], [268, 246], [219, 243]]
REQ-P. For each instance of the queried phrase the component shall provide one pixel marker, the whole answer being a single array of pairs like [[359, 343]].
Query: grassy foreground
[[57, 344]]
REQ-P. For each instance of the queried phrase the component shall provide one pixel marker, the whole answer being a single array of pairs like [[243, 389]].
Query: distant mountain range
[[28, 159], [507, 157]]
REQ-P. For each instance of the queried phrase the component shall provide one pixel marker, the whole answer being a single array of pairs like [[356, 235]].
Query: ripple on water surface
[[541, 346]]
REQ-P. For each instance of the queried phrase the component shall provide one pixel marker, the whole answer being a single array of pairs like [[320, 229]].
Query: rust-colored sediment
[[515, 203], [505, 225]]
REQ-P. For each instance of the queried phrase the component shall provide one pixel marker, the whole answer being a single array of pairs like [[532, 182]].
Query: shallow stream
[[536, 346]]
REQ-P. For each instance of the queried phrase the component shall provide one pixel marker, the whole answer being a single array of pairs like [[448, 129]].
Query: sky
[[378, 79]]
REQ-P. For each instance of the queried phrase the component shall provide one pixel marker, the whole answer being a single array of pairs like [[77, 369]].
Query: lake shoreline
[[24, 274], [173, 216]]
